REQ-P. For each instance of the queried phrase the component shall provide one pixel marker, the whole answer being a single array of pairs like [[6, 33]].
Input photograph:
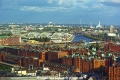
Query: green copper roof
[[109, 54], [88, 53], [89, 58], [73, 55], [92, 56], [93, 49], [82, 57], [103, 55], [115, 59], [93, 53]]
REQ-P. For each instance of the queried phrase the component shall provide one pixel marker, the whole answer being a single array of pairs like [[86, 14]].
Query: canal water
[[79, 38]]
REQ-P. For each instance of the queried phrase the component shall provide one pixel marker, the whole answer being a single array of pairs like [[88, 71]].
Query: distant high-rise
[[99, 26], [91, 26], [111, 28]]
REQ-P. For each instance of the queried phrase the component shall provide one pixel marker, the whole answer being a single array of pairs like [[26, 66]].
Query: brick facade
[[112, 47], [114, 72], [12, 40]]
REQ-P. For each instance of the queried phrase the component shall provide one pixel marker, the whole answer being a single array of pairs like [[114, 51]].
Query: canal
[[79, 38]]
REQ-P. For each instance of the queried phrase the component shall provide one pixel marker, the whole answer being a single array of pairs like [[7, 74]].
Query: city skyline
[[60, 11]]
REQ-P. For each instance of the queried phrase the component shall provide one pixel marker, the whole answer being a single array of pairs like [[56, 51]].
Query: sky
[[60, 11]]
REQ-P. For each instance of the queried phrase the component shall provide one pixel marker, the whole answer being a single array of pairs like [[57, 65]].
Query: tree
[[97, 46], [91, 46]]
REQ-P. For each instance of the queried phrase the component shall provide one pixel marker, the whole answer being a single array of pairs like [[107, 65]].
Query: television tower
[[80, 22]]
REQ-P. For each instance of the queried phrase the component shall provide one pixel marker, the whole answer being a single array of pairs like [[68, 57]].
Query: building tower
[[111, 28], [99, 26], [91, 26], [99, 23]]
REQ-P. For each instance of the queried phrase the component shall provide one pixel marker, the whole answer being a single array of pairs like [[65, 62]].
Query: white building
[[111, 34], [45, 34], [33, 35], [91, 26], [99, 26]]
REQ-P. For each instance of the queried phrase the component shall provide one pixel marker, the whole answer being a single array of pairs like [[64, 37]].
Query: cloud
[[113, 1], [57, 5], [66, 2], [110, 2], [76, 4], [98, 6], [63, 2], [116, 1], [62, 5], [43, 9], [50, 1], [84, 6]]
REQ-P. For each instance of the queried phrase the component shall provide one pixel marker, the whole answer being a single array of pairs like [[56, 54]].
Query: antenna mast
[[80, 20]]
